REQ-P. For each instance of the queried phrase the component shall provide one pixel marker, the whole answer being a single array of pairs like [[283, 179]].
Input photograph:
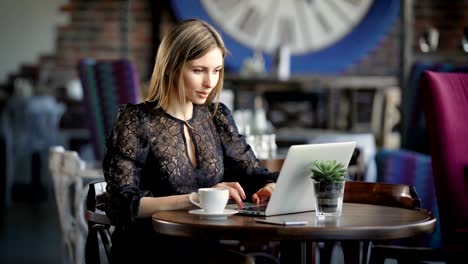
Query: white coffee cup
[[212, 200]]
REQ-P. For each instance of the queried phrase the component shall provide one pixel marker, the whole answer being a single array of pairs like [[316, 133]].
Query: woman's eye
[[197, 70]]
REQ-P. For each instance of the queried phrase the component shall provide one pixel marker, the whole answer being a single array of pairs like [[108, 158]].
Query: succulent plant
[[328, 171]]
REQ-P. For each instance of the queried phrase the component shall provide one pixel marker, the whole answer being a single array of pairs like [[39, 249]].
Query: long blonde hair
[[188, 40]]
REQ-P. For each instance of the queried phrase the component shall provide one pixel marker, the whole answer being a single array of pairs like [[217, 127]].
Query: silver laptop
[[294, 191]]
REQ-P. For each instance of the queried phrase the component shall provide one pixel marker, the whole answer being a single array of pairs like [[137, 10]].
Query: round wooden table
[[358, 222]]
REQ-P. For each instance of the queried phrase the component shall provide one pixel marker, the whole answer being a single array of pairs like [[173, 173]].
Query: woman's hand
[[264, 193], [236, 192]]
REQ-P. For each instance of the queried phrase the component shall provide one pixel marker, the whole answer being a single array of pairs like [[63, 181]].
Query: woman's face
[[201, 75]]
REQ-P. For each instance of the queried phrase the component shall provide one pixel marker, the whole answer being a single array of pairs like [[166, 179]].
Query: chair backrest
[[69, 173], [95, 202], [445, 98], [98, 223], [386, 194], [415, 169], [106, 85], [64, 167], [29, 125], [413, 127], [60, 186]]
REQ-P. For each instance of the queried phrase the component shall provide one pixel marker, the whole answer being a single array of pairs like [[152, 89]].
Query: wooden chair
[[99, 225], [71, 235], [273, 165], [385, 194], [69, 175]]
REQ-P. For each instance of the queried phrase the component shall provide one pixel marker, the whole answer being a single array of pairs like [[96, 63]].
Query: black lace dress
[[147, 157]]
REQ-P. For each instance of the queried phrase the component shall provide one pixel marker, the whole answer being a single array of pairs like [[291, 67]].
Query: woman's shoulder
[[221, 115], [130, 108], [131, 117], [220, 109], [131, 112], [126, 109]]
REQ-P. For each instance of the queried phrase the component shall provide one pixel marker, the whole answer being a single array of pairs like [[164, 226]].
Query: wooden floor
[[30, 233]]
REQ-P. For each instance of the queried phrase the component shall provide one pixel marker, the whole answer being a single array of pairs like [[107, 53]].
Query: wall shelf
[[327, 103]]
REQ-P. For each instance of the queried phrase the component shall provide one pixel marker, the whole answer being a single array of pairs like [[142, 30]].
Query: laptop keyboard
[[249, 208], [259, 208]]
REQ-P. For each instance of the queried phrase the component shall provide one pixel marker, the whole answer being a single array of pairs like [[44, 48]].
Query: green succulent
[[328, 171]]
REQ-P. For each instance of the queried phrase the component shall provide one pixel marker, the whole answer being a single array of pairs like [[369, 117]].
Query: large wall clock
[[324, 36]]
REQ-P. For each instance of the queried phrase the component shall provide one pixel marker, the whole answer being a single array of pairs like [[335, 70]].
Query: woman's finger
[[238, 188], [236, 197], [263, 194], [255, 198], [236, 192], [234, 185]]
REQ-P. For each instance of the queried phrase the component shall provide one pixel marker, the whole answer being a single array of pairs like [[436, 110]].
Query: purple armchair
[[445, 98], [445, 102]]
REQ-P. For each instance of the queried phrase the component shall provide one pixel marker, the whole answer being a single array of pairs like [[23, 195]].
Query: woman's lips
[[203, 94]]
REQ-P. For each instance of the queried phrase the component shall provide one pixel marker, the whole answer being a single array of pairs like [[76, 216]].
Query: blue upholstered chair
[[414, 169], [29, 126]]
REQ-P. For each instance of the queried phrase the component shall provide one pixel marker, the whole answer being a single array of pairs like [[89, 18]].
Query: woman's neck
[[180, 111]]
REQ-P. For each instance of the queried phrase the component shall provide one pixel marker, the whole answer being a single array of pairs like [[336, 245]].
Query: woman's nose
[[210, 80]]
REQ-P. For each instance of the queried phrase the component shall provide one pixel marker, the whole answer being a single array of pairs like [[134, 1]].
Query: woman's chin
[[199, 101]]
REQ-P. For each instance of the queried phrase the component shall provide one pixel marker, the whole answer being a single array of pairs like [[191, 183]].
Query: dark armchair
[[446, 106], [106, 85]]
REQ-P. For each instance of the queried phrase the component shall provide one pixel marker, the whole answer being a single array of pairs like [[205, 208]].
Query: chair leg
[[67, 251], [351, 251], [408, 254], [79, 248], [106, 241], [92, 247], [297, 252], [325, 251], [365, 251], [376, 257]]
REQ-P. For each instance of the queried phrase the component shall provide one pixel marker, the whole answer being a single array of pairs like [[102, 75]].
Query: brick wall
[[96, 29], [449, 17], [104, 29], [383, 60]]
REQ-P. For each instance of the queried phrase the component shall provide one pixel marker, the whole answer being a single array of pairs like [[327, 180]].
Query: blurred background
[[298, 72]]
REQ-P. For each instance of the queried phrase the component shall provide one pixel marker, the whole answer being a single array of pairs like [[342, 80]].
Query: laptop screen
[[294, 189]]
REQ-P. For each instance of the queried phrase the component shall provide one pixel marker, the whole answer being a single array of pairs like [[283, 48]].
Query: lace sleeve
[[127, 149], [240, 162]]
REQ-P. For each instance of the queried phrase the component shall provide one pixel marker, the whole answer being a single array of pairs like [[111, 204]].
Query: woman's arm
[[126, 154], [240, 162], [150, 205]]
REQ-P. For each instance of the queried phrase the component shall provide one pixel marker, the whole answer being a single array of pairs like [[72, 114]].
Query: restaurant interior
[[297, 72]]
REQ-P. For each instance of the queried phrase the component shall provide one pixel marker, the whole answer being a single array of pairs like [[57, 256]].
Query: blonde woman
[[180, 139]]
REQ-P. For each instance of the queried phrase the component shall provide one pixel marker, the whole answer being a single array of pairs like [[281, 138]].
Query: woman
[[175, 142]]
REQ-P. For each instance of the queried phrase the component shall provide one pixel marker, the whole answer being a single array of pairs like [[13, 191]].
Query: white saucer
[[202, 213]]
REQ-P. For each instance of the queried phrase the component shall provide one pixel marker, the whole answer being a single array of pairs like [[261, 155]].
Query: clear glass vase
[[328, 198]]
